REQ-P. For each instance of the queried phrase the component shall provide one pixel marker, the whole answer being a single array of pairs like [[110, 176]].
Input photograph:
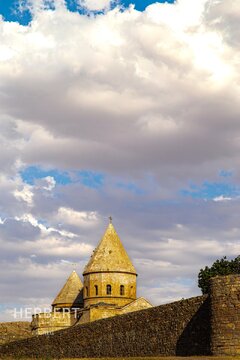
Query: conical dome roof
[[109, 255], [71, 293]]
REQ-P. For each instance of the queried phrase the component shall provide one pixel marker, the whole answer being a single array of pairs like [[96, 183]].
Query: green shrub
[[219, 267]]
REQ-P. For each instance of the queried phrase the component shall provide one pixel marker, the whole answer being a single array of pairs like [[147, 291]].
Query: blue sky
[[212, 190], [88, 178], [32, 173], [208, 190], [9, 9]]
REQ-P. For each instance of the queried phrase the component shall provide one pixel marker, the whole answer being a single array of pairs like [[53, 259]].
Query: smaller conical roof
[[110, 255], [71, 293]]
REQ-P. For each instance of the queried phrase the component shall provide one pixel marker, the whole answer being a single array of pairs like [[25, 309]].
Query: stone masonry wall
[[198, 326], [180, 328], [225, 319], [12, 331], [48, 322]]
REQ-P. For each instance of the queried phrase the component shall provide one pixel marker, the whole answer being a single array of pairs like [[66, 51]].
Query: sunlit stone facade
[[109, 277], [109, 288]]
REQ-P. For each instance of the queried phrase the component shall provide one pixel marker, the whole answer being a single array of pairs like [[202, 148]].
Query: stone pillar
[[225, 315]]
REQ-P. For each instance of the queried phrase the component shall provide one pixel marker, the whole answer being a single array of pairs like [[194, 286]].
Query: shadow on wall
[[195, 339], [78, 300]]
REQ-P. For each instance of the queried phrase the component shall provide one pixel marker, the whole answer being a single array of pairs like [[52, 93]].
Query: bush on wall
[[219, 267]]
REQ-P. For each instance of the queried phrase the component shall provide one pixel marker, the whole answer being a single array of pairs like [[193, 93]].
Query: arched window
[[122, 290], [109, 290], [86, 291], [96, 290]]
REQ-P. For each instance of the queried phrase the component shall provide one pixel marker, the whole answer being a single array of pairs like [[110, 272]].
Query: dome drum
[[118, 288]]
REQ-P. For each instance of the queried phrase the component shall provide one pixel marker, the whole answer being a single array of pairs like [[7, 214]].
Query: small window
[[86, 291], [96, 290], [109, 290], [122, 290]]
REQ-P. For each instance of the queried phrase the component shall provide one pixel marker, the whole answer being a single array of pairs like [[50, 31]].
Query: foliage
[[219, 267]]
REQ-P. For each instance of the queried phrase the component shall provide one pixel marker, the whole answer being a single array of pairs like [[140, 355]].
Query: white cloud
[[25, 194], [151, 97], [77, 218], [51, 183], [184, 15], [167, 292], [57, 247], [128, 77], [45, 230], [96, 5], [222, 198]]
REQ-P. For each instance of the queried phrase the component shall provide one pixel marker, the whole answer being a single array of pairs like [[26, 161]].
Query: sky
[[129, 110]]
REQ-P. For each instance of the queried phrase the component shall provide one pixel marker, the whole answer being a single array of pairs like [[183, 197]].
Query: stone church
[[109, 288]]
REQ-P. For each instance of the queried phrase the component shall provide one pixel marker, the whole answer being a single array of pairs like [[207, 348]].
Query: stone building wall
[[102, 312], [138, 304], [202, 325], [12, 331], [180, 328], [49, 322], [225, 319], [101, 280]]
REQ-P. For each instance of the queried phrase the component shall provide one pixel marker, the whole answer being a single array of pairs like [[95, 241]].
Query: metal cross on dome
[[110, 219]]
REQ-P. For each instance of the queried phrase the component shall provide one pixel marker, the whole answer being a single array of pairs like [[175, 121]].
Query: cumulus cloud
[[148, 99], [222, 198], [25, 194], [149, 79], [95, 5], [50, 183], [77, 218]]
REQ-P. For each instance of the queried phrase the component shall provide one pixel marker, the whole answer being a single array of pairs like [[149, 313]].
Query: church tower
[[71, 294], [109, 276], [109, 289]]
